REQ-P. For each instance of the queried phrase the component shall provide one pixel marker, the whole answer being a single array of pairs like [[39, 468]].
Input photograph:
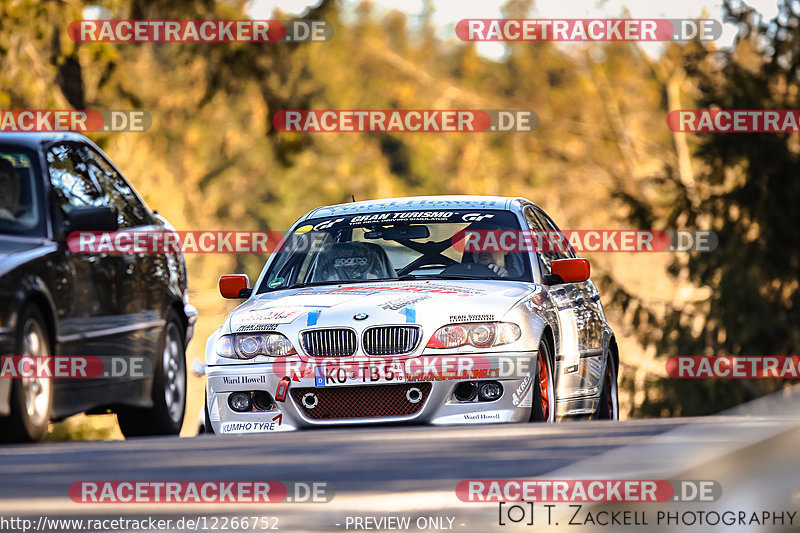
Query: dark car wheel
[[169, 389], [543, 408], [31, 397], [609, 401]]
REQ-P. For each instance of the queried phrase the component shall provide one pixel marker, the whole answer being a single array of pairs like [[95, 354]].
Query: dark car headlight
[[249, 345]]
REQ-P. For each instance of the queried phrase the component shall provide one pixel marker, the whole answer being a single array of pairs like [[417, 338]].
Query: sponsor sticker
[[256, 327], [248, 427], [472, 318], [278, 316], [350, 261], [394, 304], [244, 380], [520, 396], [482, 416]]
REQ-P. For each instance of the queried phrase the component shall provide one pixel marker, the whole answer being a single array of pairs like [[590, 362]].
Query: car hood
[[359, 305], [15, 251]]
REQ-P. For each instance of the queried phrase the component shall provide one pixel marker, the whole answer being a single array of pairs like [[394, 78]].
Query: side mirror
[[568, 271], [93, 219], [235, 286]]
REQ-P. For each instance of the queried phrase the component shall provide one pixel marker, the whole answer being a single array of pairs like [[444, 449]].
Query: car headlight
[[478, 334], [249, 345]]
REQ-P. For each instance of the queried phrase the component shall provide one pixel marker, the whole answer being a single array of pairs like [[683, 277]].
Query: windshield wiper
[[446, 276], [301, 284], [405, 277]]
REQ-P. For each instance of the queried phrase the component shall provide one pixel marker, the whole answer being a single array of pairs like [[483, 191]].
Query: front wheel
[[31, 397], [543, 408], [169, 389]]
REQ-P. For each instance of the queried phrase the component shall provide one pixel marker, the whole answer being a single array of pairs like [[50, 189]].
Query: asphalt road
[[412, 471]]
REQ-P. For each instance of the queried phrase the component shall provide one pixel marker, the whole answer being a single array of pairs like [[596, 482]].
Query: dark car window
[[563, 252], [120, 194], [545, 227], [81, 178], [72, 187], [20, 197]]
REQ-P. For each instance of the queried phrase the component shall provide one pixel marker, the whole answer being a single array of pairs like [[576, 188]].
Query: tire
[[609, 398], [31, 399], [169, 389], [543, 408]]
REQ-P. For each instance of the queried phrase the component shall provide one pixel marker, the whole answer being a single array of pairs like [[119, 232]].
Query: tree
[[746, 190]]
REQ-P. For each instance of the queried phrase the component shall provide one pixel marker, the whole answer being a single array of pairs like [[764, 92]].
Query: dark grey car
[[57, 302]]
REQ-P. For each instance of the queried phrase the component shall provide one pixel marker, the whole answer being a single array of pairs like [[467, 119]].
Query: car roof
[[418, 203], [35, 139]]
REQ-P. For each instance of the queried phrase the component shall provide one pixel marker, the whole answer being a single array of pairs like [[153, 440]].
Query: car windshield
[[20, 212], [392, 246]]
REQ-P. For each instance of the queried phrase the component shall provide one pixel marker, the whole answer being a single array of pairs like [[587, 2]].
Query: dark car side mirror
[[568, 271], [93, 219], [235, 286]]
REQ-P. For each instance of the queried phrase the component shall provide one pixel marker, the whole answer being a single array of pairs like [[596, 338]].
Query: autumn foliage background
[[602, 157]]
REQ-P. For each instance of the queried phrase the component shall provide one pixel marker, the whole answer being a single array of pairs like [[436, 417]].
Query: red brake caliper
[[543, 379]]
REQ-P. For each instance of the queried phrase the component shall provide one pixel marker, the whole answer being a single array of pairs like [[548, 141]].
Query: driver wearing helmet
[[353, 261]]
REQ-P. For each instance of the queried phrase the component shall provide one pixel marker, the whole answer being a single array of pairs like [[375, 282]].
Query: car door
[[90, 305], [578, 303], [142, 279]]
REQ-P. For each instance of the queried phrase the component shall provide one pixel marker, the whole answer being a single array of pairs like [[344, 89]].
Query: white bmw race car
[[429, 310]]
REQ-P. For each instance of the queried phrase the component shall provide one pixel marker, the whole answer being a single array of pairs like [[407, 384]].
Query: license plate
[[341, 376]]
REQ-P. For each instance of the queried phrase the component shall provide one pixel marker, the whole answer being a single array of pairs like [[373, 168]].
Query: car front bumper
[[437, 406]]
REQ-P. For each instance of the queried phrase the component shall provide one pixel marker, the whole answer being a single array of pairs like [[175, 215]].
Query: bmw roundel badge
[[360, 316]]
